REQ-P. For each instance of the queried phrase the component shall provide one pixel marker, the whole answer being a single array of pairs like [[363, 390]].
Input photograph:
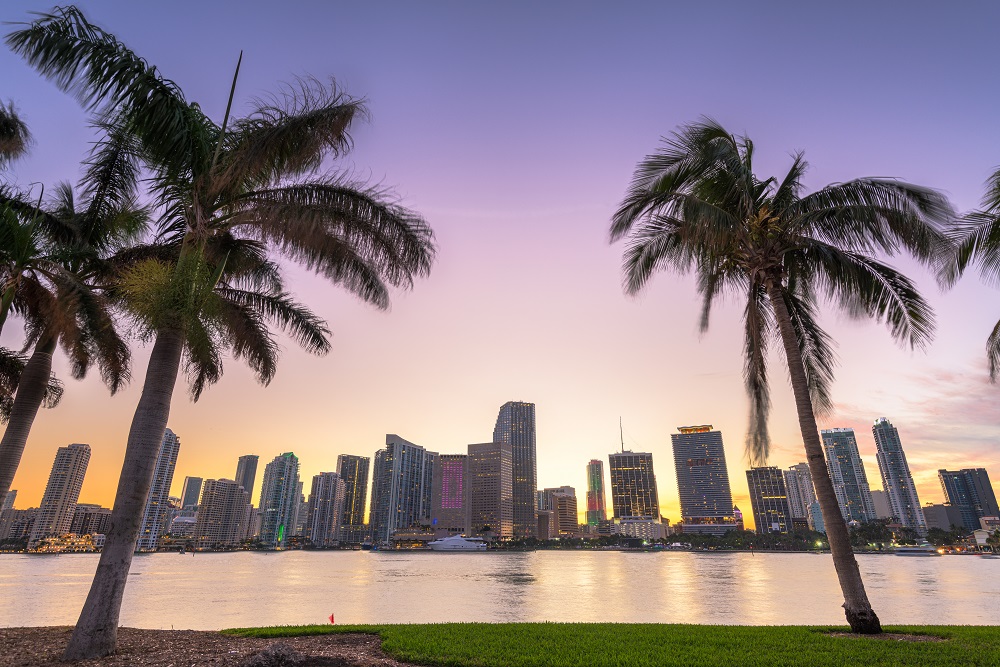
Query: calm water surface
[[211, 591]]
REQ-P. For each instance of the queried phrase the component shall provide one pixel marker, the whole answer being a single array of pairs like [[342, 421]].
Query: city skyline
[[553, 181]]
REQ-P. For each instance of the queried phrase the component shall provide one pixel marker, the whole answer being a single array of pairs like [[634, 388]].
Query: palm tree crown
[[697, 206]]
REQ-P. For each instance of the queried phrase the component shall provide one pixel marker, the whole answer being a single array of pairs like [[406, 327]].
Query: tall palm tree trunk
[[96, 632], [858, 610], [30, 394]]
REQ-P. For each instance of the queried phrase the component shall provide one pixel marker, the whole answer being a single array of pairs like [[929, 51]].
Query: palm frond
[[15, 138], [816, 349], [993, 352]]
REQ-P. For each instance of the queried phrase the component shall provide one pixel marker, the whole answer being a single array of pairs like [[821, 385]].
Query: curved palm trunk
[[27, 400], [96, 632], [858, 610]]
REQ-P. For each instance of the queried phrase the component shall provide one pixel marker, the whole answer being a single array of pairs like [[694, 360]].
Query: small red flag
[[332, 622]]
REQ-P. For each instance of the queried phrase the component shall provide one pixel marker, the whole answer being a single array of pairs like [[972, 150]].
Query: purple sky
[[514, 129]]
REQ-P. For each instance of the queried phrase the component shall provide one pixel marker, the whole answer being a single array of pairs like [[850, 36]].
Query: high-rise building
[[55, 513], [969, 490], [703, 480], [8, 501], [90, 520], [325, 510], [942, 517], [633, 485], [450, 494], [154, 516], [222, 514], [769, 500], [401, 488], [596, 512], [279, 498], [301, 512], [190, 492], [896, 478], [353, 471], [799, 487], [850, 482], [880, 500], [516, 427], [491, 489], [246, 473], [16, 525], [561, 502]]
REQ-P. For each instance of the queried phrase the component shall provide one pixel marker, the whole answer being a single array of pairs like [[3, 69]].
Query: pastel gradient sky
[[514, 129]]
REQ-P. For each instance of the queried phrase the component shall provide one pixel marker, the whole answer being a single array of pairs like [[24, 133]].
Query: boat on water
[[919, 550], [458, 543]]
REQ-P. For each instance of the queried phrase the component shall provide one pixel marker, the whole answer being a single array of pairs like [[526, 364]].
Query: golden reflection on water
[[240, 589]]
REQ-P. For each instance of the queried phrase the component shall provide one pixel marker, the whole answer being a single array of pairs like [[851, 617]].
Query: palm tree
[[14, 134], [50, 273], [977, 241], [232, 196], [696, 206]]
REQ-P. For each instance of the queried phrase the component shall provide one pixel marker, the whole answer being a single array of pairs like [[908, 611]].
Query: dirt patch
[[889, 637], [42, 647]]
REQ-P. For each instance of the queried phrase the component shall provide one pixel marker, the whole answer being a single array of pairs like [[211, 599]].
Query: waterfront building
[[222, 514], [703, 480], [633, 485], [562, 504], [800, 490], [640, 527], [401, 488], [897, 481], [969, 490], [279, 497], [90, 520], [353, 471], [942, 516], [154, 515], [880, 501], [450, 495], [816, 517], [547, 525], [515, 426], [191, 492], [325, 510], [246, 473], [769, 500], [183, 526], [301, 512], [847, 471], [596, 512], [491, 490], [8, 501], [15, 525], [55, 512]]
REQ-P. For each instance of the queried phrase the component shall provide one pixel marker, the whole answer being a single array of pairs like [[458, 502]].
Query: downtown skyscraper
[[55, 513], [702, 480], [850, 482], [353, 470], [633, 486], [515, 426], [596, 511], [970, 491], [800, 490], [491, 489], [154, 515], [769, 500], [279, 498], [222, 514], [325, 509], [450, 495], [896, 478], [401, 488], [190, 492], [246, 473]]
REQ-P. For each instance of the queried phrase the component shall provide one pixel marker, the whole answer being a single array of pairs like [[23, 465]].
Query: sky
[[514, 129]]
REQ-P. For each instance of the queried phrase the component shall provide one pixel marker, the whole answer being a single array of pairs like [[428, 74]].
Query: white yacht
[[919, 550], [458, 543]]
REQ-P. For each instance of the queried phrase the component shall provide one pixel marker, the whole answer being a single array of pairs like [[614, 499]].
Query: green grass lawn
[[641, 645]]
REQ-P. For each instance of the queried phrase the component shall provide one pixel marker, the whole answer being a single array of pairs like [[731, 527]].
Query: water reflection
[[239, 589]]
